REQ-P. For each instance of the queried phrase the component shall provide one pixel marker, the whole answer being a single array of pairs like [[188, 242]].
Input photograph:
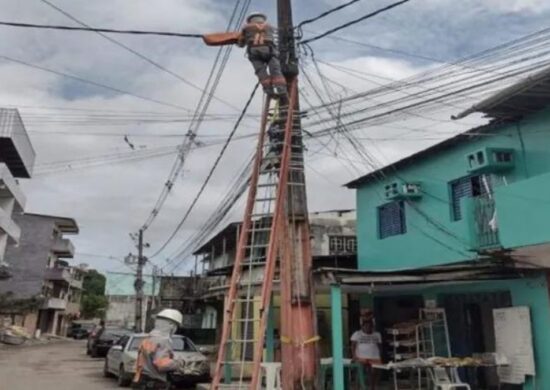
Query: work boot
[[280, 91]]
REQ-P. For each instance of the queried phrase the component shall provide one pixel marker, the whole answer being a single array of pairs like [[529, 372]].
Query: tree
[[94, 302]]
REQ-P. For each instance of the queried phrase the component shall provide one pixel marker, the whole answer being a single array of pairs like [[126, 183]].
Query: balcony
[[63, 274], [63, 247], [16, 150], [55, 304]]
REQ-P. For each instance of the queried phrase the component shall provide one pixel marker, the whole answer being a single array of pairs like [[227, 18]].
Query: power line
[[210, 174], [101, 30], [355, 21], [327, 13], [134, 52], [90, 82]]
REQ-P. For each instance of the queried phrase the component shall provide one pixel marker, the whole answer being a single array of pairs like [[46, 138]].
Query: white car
[[121, 360]]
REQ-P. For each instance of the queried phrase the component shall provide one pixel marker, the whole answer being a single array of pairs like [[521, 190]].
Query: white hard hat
[[171, 314], [255, 15]]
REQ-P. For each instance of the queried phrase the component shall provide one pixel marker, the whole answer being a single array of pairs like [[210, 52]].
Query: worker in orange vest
[[156, 356], [259, 38]]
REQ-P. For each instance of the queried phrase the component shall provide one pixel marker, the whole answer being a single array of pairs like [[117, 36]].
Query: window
[[391, 219], [469, 186], [342, 245]]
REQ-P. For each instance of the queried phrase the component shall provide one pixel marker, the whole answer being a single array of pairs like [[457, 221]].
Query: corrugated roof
[[530, 95]]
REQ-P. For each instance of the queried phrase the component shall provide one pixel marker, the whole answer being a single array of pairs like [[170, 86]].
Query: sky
[[65, 117]]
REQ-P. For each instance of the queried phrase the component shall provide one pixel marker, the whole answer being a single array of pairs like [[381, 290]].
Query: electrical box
[[402, 190], [489, 160]]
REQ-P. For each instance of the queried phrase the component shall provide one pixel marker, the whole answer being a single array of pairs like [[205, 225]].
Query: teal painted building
[[482, 195]]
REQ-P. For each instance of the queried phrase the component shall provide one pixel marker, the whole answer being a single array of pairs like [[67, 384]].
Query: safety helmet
[[255, 15], [172, 315]]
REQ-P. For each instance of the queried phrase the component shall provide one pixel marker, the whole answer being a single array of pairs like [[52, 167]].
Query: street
[[57, 366]]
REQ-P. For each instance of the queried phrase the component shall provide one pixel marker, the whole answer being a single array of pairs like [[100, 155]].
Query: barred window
[[342, 245], [391, 219]]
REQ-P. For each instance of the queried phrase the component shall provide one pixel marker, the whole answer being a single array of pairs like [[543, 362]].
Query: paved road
[[57, 366]]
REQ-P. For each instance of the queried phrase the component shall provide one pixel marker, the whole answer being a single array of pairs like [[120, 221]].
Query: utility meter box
[[490, 160], [402, 190]]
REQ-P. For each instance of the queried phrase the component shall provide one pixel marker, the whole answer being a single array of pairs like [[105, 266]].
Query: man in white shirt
[[365, 347]]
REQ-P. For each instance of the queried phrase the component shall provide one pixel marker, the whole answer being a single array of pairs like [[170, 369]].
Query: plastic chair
[[272, 373], [442, 381]]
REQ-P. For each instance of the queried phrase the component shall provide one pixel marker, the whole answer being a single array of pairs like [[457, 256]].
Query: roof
[[525, 97], [449, 143], [64, 224], [228, 229], [122, 283]]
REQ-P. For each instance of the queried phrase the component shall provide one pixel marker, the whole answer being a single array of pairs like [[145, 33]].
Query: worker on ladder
[[156, 356], [259, 38]]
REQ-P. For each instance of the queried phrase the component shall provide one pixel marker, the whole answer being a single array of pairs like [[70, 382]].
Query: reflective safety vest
[[155, 358], [257, 34]]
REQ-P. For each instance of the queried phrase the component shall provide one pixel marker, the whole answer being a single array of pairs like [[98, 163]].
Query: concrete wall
[[29, 260], [121, 311], [432, 236]]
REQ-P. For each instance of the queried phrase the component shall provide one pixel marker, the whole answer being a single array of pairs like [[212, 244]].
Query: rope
[[101, 30], [355, 21]]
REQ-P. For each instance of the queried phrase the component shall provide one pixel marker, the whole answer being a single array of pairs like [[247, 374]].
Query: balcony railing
[[485, 223], [63, 274], [55, 303], [63, 247]]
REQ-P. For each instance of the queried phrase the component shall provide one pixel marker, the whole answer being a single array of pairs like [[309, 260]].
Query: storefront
[[482, 305]]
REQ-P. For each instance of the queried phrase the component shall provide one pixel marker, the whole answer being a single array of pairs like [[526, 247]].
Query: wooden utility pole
[[139, 284], [298, 320]]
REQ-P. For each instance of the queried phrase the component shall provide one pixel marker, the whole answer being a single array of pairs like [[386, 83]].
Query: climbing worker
[[156, 356], [259, 38]]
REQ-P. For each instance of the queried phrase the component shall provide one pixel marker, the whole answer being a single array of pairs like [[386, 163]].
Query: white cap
[[171, 314], [254, 15]]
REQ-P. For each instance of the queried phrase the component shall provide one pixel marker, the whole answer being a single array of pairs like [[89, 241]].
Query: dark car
[[102, 339], [79, 331]]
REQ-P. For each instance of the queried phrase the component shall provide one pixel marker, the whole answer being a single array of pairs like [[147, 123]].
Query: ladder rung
[[258, 246], [262, 215], [296, 184], [256, 230], [246, 320], [247, 300], [267, 185], [242, 341], [253, 263], [264, 199]]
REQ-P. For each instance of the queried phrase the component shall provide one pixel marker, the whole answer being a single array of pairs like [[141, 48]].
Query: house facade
[[478, 198], [41, 274], [333, 244], [16, 162]]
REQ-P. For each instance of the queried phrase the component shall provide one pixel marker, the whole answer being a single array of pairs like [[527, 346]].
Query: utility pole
[[139, 284], [298, 319]]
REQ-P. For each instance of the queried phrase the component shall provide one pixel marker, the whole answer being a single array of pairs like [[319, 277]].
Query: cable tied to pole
[[102, 30]]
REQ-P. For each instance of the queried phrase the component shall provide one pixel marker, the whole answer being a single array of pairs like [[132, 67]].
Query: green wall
[[531, 292], [443, 240]]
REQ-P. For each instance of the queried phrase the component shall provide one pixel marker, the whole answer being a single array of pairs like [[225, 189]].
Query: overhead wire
[[208, 176], [326, 13], [351, 23]]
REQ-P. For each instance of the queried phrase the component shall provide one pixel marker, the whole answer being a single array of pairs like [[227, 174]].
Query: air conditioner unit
[[489, 160], [402, 190]]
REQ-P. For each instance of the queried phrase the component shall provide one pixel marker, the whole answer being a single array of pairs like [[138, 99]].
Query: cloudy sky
[[73, 125]]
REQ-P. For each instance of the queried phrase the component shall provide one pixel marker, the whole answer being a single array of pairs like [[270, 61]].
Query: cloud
[[113, 200]]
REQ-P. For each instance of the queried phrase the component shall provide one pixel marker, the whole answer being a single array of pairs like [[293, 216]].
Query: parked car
[[80, 330], [101, 340], [121, 361]]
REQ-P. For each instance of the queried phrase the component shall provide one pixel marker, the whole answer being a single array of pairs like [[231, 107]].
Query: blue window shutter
[[391, 219]]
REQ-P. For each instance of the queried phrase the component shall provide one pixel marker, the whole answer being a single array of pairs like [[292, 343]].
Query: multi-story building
[[463, 226], [16, 161], [333, 245], [40, 274]]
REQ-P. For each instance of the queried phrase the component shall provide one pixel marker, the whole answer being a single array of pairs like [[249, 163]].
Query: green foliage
[[94, 302]]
